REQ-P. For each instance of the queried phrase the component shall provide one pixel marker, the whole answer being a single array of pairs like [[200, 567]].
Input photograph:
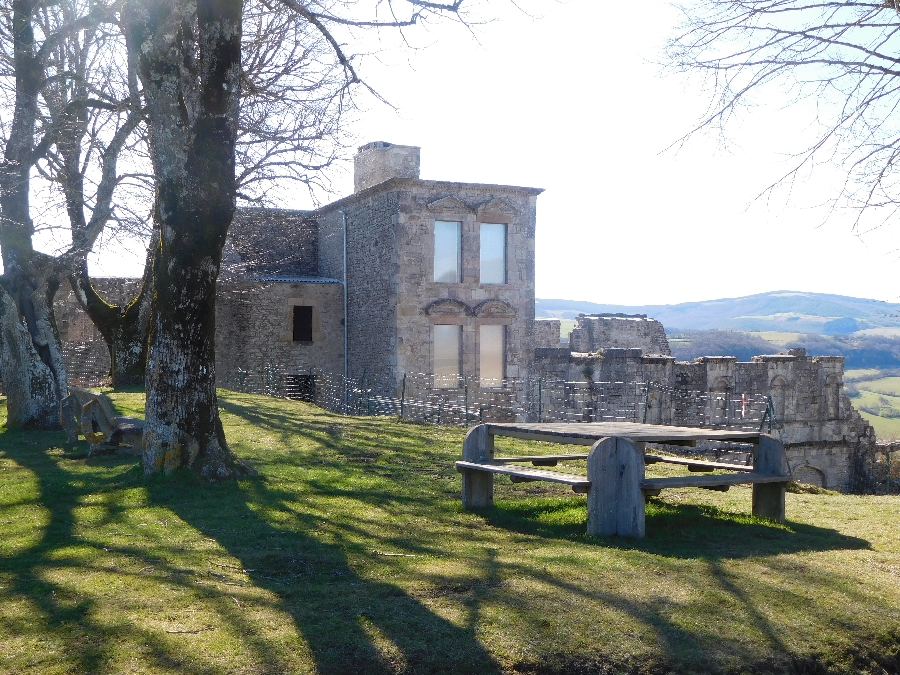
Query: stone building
[[439, 275], [403, 276]]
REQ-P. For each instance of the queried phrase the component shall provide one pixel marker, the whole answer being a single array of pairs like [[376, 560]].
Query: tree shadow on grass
[[681, 531], [34, 576], [346, 623], [350, 624]]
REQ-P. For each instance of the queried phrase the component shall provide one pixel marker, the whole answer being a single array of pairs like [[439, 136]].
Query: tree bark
[[31, 361], [189, 63], [31, 364]]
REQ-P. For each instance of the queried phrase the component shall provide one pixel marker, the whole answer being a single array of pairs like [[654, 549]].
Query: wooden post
[[615, 500], [478, 486], [768, 498]]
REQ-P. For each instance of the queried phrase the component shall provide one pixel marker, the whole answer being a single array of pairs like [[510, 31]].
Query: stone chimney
[[379, 161]]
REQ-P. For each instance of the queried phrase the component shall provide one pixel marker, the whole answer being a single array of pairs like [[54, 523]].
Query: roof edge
[[395, 183]]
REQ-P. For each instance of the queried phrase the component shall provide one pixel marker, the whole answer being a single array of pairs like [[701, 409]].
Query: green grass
[[876, 391], [350, 554], [889, 386], [777, 337], [860, 374]]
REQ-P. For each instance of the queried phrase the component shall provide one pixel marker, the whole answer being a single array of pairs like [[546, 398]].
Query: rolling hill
[[793, 311]]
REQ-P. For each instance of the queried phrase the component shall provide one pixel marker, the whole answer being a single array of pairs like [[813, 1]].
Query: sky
[[569, 96]]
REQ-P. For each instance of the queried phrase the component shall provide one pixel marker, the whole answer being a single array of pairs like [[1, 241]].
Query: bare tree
[[31, 362], [289, 126], [841, 55], [191, 68], [289, 130]]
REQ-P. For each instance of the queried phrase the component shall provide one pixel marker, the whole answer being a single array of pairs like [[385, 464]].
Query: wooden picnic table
[[616, 483]]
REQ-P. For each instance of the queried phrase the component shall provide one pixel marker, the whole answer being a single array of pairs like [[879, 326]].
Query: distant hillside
[[792, 311], [859, 350]]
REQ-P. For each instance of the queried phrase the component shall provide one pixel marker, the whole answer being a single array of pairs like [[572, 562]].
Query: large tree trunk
[[190, 68], [31, 364], [31, 361]]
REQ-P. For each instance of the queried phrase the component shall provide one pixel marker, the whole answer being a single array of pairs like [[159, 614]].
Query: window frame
[[504, 354], [481, 250], [459, 253], [447, 380]]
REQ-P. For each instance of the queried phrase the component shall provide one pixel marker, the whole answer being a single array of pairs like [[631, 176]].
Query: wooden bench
[[89, 414], [616, 484]]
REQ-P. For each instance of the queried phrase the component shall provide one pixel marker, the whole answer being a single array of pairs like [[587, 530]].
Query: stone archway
[[810, 475]]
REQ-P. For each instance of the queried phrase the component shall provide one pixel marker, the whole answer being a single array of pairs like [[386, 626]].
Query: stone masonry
[[821, 430], [360, 272], [598, 331], [393, 301]]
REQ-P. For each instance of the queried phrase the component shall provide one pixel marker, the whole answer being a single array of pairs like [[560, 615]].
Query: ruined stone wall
[[254, 329], [821, 431], [422, 302], [394, 300], [547, 333], [602, 331]]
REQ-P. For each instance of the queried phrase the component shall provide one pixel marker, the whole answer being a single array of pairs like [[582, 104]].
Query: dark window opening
[[302, 323]]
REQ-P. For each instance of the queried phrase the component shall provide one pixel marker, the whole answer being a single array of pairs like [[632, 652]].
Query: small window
[[493, 253], [492, 355], [447, 251], [302, 323], [446, 344]]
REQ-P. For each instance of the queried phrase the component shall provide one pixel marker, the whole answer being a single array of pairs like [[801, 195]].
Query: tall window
[[493, 253], [302, 323], [446, 342], [447, 251], [492, 352]]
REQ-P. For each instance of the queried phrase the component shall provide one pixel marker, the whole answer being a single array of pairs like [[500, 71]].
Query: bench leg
[[478, 486], [615, 500], [768, 501], [768, 498]]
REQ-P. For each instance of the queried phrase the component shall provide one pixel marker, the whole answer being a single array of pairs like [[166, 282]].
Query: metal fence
[[464, 401]]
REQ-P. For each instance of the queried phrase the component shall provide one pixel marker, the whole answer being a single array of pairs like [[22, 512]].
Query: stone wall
[[547, 333], [601, 331], [821, 431], [374, 163], [254, 329], [72, 322], [393, 299], [372, 271]]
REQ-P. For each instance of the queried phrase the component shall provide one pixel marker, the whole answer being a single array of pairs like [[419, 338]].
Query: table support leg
[[768, 498], [478, 486], [615, 500]]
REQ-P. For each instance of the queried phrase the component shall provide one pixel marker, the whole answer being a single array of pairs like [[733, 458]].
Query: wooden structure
[[89, 414], [616, 485]]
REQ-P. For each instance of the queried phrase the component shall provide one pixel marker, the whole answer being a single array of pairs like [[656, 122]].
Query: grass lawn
[[350, 554], [875, 391]]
